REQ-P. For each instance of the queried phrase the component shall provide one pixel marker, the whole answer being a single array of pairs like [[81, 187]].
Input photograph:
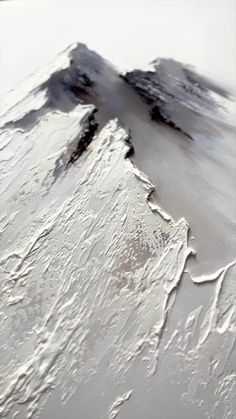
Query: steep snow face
[[99, 315]]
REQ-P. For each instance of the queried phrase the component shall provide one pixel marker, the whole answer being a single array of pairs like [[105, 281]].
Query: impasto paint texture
[[117, 242]]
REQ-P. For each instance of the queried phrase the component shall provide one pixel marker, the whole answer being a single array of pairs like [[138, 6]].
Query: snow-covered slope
[[101, 311]]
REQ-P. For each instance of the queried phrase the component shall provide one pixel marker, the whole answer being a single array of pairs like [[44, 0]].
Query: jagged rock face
[[176, 95], [102, 313]]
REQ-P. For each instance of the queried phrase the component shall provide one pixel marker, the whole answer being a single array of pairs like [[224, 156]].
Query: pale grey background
[[128, 33]]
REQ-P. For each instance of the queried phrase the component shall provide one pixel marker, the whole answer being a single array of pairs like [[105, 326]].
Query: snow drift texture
[[91, 265]]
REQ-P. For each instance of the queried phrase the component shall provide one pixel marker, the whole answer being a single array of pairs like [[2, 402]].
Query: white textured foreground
[[93, 320], [103, 262]]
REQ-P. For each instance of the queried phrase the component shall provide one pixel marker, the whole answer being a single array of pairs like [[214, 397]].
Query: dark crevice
[[85, 138], [128, 141], [76, 147], [156, 114]]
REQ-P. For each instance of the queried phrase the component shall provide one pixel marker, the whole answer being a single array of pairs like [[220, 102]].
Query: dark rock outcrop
[[176, 94]]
